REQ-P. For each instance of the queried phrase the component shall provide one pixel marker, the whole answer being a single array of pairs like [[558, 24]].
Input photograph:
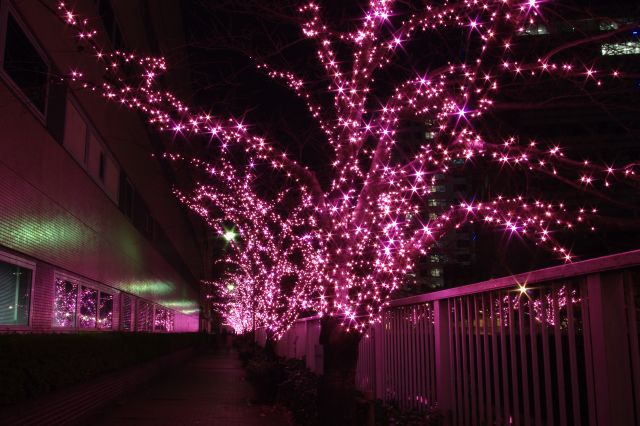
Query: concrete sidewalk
[[208, 390]]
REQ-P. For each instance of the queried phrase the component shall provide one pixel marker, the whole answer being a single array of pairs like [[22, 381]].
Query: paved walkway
[[208, 390]]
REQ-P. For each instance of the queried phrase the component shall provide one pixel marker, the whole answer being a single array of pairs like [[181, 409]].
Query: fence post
[[610, 349], [378, 356], [444, 396]]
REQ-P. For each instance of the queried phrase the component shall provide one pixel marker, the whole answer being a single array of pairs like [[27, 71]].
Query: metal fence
[[552, 346]]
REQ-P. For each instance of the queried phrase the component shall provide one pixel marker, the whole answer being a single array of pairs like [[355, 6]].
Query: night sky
[[224, 34]]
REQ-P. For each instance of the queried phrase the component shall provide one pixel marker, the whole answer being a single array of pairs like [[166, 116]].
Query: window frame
[[91, 129], [22, 262], [5, 10], [80, 282]]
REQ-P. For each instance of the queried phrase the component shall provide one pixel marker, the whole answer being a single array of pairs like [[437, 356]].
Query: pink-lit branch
[[355, 240]]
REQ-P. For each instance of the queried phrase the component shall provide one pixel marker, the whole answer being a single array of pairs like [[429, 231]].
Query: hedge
[[34, 364]]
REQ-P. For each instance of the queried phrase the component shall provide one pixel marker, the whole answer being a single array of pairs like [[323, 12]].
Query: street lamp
[[229, 235]]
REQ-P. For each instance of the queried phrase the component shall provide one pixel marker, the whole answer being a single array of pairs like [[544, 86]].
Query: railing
[[552, 346]]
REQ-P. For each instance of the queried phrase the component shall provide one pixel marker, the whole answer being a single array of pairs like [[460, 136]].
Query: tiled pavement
[[208, 390]]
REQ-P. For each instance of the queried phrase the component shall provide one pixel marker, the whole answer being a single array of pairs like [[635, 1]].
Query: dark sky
[[223, 34]]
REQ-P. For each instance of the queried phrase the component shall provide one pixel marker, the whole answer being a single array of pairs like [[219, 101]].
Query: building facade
[[91, 237]]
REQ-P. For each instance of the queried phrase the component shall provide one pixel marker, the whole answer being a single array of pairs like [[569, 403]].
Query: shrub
[[390, 414], [287, 382], [34, 364]]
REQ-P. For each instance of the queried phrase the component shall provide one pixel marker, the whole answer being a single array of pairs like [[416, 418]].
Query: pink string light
[[355, 241]]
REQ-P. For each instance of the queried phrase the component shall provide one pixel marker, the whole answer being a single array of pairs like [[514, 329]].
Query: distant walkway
[[208, 390]]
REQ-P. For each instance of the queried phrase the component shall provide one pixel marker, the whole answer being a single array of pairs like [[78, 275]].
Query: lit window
[[163, 320], [15, 291], [125, 314], [64, 309], [24, 65], [88, 308], [534, 30], [608, 25], [144, 316], [436, 272], [105, 312], [624, 48]]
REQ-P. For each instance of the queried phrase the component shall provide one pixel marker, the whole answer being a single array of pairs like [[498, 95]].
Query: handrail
[[570, 270]]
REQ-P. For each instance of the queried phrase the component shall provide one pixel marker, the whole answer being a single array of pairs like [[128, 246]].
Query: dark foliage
[[391, 415], [286, 382], [34, 364]]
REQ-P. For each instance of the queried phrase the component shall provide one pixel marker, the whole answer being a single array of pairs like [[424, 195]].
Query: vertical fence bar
[[535, 368], [420, 358], [524, 363], [432, 355], [546, 359], [494, 347], [442, 330], [557, 334], [610, 349], [478, 351], [487, 366], [473, 395], [503, 358], [379, 371], [573, 358], [633, 339], [459, 401], [513, 361], [589, 368]]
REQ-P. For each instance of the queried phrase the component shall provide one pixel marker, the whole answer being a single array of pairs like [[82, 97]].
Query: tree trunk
[[337, 399]]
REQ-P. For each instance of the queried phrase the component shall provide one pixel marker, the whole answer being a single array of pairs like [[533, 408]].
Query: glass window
[[15, 293], [161, 320], [88, 308], [106, 310], [66, 298], [125, 314], [624, 48], [24, 65], [145, 317]]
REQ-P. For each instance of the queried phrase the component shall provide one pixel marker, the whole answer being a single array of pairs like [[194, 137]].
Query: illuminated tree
[[360, 233], [269, 261]]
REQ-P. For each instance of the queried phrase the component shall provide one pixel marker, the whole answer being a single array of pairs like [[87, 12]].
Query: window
[[533, 30], [15, 294], [126, 196], [163, 320], [430, 135], [24, 65], [144, 320], [125, 314], [617, 49], [105, 313], [65, 302], [75, 134], [81, 306], [84, 144], [436, 272], [101, 166], [88, 308], [111, 26]]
